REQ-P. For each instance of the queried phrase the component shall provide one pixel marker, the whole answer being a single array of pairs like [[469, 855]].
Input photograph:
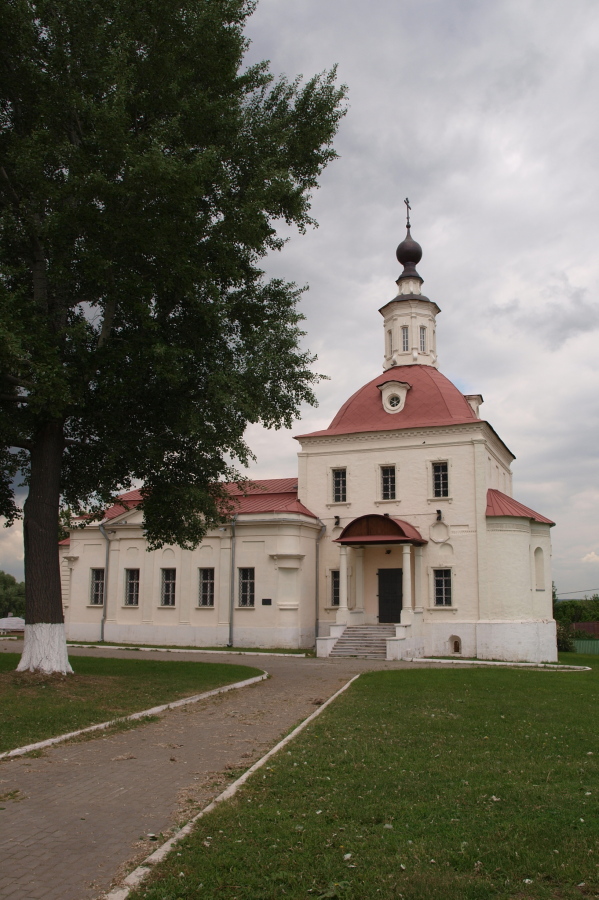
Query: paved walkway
[[83, 811]]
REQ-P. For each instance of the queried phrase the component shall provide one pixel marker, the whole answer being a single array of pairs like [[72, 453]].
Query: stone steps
[[365, 641]]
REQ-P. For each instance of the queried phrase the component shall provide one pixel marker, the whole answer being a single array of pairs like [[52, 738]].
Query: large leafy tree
[[143, 171]]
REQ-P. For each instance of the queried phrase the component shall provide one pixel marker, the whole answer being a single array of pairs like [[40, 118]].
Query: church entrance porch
[[381, 591], [390, 595]]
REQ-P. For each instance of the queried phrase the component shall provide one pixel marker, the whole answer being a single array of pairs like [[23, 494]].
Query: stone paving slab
[[84, 810]]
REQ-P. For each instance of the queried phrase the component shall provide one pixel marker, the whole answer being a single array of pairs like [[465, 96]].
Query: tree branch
[[13, 194], [20, 382], [13, 398], [22, 444], [109, 311], [38, 269]]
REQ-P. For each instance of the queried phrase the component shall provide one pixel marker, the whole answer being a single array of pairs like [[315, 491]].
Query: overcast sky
[[484, 113]]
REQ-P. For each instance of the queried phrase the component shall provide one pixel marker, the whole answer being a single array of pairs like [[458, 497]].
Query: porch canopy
[[377, 529]]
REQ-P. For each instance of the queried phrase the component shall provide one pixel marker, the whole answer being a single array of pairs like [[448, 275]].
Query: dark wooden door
[[390, 582]]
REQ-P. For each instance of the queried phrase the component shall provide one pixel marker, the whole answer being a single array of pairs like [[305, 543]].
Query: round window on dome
[[394, 400]]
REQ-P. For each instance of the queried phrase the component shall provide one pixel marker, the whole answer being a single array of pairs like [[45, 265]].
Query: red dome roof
[[431, 400]]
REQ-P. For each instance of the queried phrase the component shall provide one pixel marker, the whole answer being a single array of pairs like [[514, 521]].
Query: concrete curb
[[182, 650], [493, 662], [20, 751], [134, 879]]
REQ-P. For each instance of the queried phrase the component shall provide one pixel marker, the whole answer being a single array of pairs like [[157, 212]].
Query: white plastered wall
[[280, 548]]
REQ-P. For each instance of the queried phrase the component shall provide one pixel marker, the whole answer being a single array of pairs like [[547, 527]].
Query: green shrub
[[565, 643], [12, 596]]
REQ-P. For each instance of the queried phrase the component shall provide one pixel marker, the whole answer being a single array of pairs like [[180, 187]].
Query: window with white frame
[[423, 339], [440, 479], [206, 587], [387, 482], [131, 587], [246, 587], [169, 581], [389, 343], [96, 593], [334, 587], [442, 579], [339, 485], [405, 338]]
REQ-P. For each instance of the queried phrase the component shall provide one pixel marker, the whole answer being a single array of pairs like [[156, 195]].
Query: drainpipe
[[232, 580], [321, 533], [105, 605]]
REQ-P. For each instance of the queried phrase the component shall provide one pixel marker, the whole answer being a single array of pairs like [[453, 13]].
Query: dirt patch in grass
[[36, 707]]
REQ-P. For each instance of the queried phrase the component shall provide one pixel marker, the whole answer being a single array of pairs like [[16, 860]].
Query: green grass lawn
[[35, 707], [420, 784]]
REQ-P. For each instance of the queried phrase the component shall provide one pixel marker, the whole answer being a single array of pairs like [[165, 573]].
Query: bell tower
[[410, 318]]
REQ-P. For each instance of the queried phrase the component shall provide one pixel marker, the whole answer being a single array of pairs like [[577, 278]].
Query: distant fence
[[587, 646], [589, 627]]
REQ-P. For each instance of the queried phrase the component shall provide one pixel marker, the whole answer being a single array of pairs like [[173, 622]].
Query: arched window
[[539, 570]]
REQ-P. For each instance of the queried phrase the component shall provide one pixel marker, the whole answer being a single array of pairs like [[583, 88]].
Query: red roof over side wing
[[260, 496], [499, 504], [125, 502]]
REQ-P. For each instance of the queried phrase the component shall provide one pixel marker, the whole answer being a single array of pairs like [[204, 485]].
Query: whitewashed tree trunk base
[[45, 650]]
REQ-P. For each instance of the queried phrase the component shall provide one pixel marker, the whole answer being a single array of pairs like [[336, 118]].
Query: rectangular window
[[422, 339], [442, 587], [131, 587], [169, 580], [246, 587], [96, 596], [405, 338], [339, 486], [335, 587], [389, 343], [387, 482], [206, 589], [440, 479]]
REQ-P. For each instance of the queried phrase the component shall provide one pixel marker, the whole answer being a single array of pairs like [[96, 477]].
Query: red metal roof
[[371, 529], [126, 501], [431, 400], [261, 495], [499, 504]]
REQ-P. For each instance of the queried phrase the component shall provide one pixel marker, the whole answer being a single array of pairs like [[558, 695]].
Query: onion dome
[[409, 254]]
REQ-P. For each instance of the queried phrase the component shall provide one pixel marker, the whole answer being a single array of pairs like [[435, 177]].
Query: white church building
[[398, 538]]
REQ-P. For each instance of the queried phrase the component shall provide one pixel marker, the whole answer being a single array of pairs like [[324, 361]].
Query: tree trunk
[[45, 647]]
